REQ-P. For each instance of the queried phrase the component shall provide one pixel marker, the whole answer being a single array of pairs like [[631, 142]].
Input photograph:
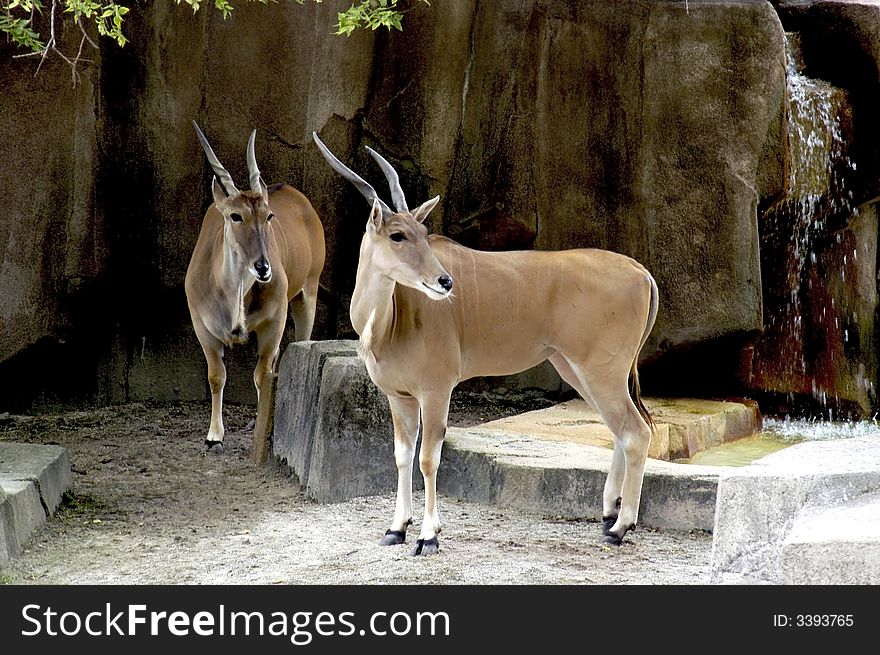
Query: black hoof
[[393, 538], [613, 539], [609, 521], [213, 447], [426, 547]]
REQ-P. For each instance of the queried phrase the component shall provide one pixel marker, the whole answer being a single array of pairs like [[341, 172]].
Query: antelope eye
[[236, 218], [270, 217], [398, 237]]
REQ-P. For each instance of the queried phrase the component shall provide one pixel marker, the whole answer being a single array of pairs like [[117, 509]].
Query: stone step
[[33, 480], [566, 479], [333, 429], [684, 426], [771, 512], [839, 544]]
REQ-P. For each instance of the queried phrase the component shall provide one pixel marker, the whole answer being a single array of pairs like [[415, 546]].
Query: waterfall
[[796, 353], [817, 157]]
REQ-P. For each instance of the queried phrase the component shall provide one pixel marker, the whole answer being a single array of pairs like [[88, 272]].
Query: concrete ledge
[[567, 479], [46, 466], [5, 528], [33, 480], [773, 504], [333, 429], [820, 549], [332, 424], [23, 513], [353, 452], [297, 398], [684, 426]]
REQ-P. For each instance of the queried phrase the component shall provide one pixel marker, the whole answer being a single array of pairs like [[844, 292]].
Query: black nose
[[445, 281], [261, 266]]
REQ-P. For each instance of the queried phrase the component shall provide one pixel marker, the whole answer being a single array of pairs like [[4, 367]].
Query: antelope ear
[[217, 190], [374, 223], [421, 213]]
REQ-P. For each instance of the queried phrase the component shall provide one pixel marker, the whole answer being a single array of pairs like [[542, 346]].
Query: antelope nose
[[445, 281], [261, 266]]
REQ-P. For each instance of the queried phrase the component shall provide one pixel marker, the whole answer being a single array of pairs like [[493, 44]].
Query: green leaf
[[20, 32], [107, 17]]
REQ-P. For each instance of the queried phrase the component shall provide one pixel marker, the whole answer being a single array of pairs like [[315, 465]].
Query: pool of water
[[781, 433]]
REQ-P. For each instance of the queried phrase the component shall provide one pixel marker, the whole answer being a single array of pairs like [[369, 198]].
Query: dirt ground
[[147, 507]]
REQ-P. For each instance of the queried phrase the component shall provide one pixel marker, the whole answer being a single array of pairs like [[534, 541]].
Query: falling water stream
[[816, 191], [804, 331], [807, 329]]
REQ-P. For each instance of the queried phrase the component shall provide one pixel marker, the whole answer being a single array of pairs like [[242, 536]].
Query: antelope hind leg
[[611, 495], [632, 437], [302, 308]]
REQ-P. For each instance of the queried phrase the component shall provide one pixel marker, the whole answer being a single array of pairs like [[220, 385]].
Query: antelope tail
[[635, 391]]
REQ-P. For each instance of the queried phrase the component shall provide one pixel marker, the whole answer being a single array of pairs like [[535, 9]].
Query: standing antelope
[[257, 253], [431, 313]]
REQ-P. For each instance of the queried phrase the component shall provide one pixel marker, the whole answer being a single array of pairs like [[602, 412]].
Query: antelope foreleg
[[265, 364], [213, 350], [217, 381], [268, 345], [405, 416], [435, 411]]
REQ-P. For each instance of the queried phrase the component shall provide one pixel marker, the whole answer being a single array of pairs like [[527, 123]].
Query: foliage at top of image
[[107, 18], [372, 14]]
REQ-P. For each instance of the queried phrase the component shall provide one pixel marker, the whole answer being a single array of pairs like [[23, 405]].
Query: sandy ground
[[146, 507]]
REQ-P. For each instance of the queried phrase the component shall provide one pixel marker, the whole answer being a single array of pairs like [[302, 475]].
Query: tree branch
[[51, 47]]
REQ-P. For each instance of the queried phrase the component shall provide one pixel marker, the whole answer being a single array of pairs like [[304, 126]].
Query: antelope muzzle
[[263, 269]]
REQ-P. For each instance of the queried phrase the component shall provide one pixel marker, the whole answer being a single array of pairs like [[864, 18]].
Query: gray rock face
[[651, 128], [51, 241], [656, 154]]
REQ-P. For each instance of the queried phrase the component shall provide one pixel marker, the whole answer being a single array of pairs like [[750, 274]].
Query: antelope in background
[[431, 313], [258, 253]]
